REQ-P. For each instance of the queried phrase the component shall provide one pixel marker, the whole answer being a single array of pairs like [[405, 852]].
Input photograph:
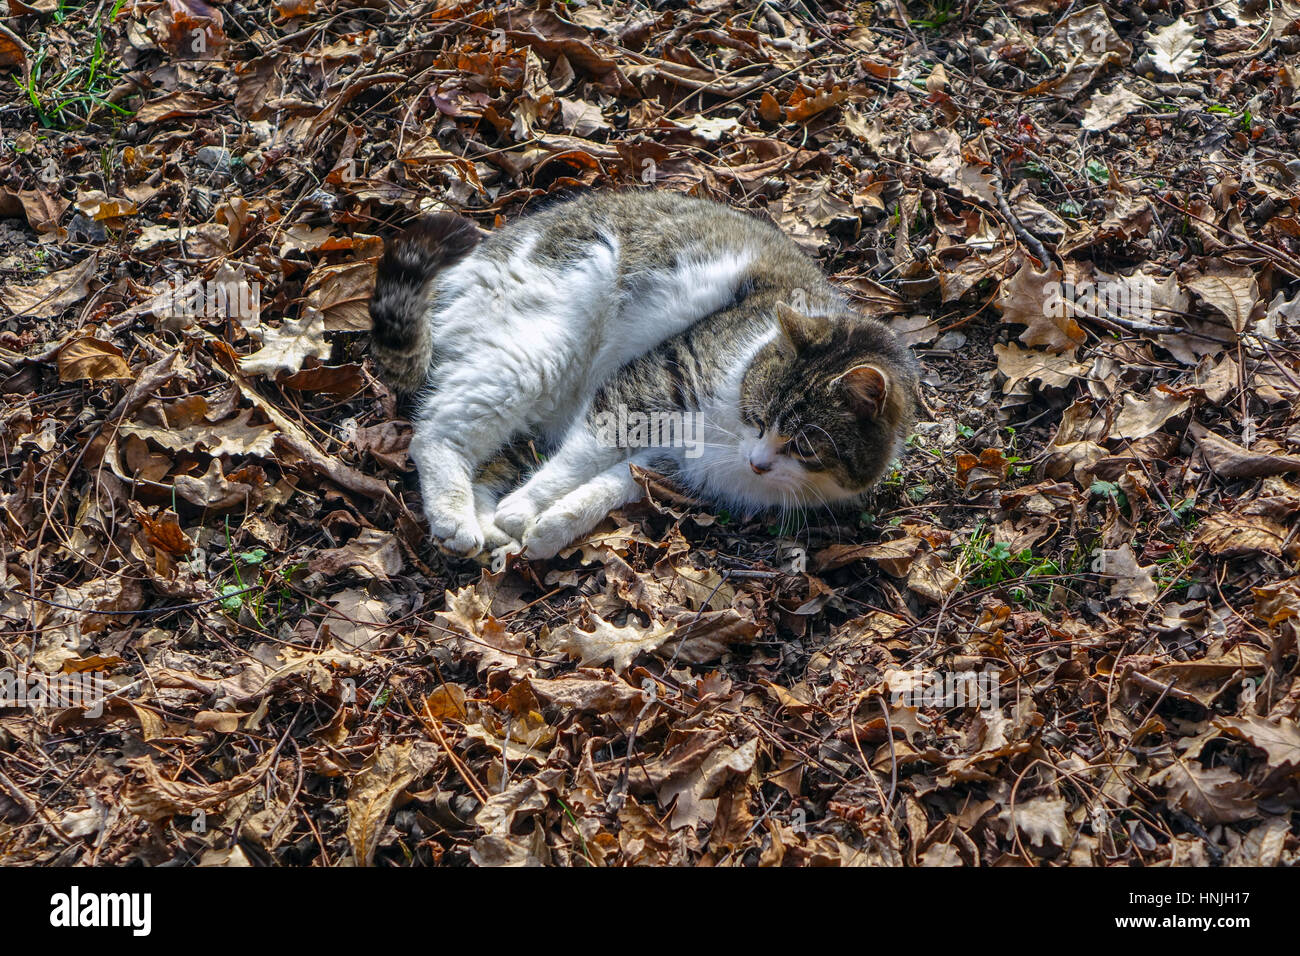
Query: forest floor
[[1062, 632]]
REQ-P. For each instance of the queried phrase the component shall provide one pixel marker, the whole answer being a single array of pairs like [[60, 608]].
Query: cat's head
[[826, 406]]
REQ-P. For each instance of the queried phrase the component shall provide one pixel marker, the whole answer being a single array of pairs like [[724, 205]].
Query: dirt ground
[[1063, 630]]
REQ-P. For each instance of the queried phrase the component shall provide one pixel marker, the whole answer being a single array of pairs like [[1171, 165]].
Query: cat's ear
[[868, 388], [801, 330]]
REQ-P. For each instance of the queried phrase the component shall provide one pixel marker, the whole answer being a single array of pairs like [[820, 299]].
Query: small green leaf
[[232, 597]]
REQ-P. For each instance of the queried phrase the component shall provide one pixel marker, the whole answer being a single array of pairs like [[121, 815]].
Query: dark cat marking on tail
[[401, 338]]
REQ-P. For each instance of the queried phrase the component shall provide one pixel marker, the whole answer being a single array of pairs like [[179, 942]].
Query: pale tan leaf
[[1174, 48], [607, 644], [286, 348]]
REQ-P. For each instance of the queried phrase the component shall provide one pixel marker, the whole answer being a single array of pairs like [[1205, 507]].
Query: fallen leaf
[[91, 359], [607, 644], [1174, 48], [375, 789], [1211, 796], [1108, 109], [1031, 298], [51, 295], [286, 348]]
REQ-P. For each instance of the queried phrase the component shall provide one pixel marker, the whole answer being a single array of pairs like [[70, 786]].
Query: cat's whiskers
[[834, 447], [822, 500]]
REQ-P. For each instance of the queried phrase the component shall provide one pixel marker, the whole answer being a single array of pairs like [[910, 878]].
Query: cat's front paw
[[548, 536], [457, 534], [514, 514]]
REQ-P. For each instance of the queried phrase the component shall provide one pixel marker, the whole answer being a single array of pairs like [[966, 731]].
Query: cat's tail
[[401, 342]]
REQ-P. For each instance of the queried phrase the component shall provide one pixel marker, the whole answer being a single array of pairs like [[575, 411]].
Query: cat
[[586, 323]]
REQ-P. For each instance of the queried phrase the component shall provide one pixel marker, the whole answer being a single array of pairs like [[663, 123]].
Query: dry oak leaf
[[1084, 43], [1280, 738], [932, 579], [528, 739], [13, 51], [1278, 603], [802, 106], [446, 703], [1086, 38], [341, 295], [1140, 417], [1211, 796], [286, 348], [695, 771], [156, 798], [235, 436], [1226, 459], [1233, 292], [1129, 580], [769, 109], [165, 533], [372, 554], [980, 474], [837, 556], [1052, 370], [586, 691], [356, 621], [98, 205], [216, 490], [91, 359], [1280, 310], [43, 210], [219, 721], [949, 164], [710, 129], [499, 817], [332, 467], [377, 786], [608, 644], [52, 294], [171, 105], [1040, 819], [1204, 679], [387, 443], [479, 635], [1235, 533], [113, 592], [344, 380], [1107, 109], [1174, 48], [1026, 299]]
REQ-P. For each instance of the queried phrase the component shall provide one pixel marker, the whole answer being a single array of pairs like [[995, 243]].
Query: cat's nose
[[760, 468]]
